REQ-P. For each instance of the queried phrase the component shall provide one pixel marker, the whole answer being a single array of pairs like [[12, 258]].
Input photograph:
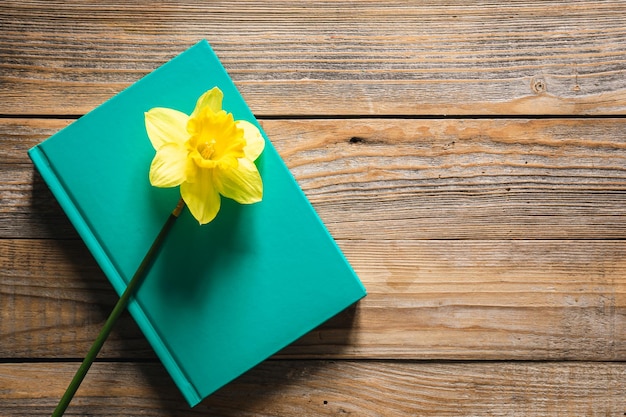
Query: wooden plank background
[[470, 160], [327, 58]]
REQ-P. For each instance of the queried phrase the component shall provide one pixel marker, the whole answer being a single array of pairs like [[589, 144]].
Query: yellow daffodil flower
[[207, 153]]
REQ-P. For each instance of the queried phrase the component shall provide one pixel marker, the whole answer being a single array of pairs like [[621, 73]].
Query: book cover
[[222, 297]]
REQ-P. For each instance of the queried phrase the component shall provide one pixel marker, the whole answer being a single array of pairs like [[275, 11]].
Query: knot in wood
[[538, 85]]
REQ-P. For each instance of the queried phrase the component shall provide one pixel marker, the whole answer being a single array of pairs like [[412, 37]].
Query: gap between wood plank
[[368, 116]]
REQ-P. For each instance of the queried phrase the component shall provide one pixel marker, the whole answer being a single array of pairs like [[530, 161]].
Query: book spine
[[41, 162]]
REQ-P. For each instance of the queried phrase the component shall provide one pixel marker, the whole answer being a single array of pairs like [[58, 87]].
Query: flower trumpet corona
[[207, 153]]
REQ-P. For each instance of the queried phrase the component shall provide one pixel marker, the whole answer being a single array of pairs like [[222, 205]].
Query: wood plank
[[460, 179], [24, 197], [404, 178], [55, 299], [320, 58], [468, 300], [287, 388]]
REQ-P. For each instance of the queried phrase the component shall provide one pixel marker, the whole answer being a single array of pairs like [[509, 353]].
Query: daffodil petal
[[254, 140], [242, 184], [201, 196], [211, 99], [168, 166], [165, 125]]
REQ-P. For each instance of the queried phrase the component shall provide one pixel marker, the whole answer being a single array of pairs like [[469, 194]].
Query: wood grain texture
[[473, 300], [328, 58], [321, 388], [404, 178], [460, 178], [393, 192], [492, 246]]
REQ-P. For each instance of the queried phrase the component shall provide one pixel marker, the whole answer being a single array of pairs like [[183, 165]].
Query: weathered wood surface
[[404, 178], [473, 300], [492, 247], [326, 388], [302, 58], [410, 186]]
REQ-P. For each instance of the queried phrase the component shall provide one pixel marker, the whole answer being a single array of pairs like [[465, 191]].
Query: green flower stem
[[117, 310]]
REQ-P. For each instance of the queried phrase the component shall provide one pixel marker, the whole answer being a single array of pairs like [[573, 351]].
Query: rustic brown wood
[[321, 388], [492, 246], [460, 179], [303, 58], [474, 300], [406, 179]]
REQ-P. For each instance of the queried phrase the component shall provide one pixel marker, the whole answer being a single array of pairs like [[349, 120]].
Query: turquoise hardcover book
[[221, 297]]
